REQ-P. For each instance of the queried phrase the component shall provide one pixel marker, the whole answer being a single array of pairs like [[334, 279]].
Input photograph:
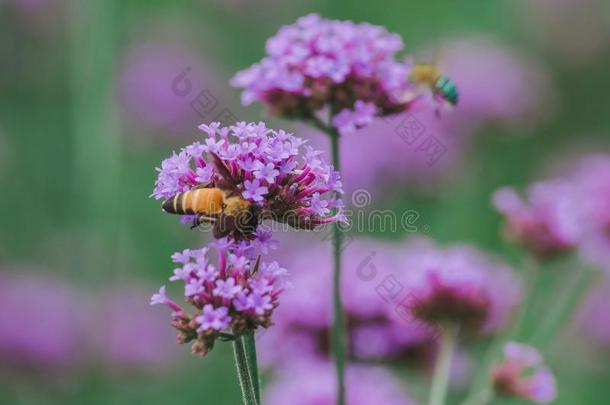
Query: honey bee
[[230, 213], [440, 85]]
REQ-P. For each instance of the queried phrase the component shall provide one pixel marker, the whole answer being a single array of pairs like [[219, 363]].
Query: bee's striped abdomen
[[175, 205], [197, 201]]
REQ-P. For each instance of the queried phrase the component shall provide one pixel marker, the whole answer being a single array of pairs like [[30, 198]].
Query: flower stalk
[[575, 287], [481, 398], [244, 374], [339, 340], [250, 347], [440, 380], [532, 281]]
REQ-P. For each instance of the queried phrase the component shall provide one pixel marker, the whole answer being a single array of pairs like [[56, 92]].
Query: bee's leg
[[224, 226], [202, 218]]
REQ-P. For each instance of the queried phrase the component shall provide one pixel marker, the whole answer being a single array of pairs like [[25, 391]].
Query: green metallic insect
[[440, 85]]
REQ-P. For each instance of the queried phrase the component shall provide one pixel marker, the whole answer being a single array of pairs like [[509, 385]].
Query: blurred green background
[[76, 171]]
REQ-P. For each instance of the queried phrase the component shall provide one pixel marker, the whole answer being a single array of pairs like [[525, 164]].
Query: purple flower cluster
[[304, 320], [36, 325], [238, 292], [523, 97], [265, 167], [591, 176], [146, 87], [562, 214], [523, 375], [460, 286], [317, 63], [48, 325], [546, 223], [427, 149], [313, 383], [123, 313], [394, 296], [593, 321]]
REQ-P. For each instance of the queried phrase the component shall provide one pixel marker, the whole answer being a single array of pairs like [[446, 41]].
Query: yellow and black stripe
[[198, 201]]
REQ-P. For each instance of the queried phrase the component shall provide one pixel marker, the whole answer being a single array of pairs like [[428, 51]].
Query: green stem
[[243, 372], [338, 335], [250, 346], [532, 279], [482, 398], [440, 380], [573, 290]]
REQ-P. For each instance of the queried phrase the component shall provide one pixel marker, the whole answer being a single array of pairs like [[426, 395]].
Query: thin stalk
[[338, 335], [250, 346], [482, 398], [573, 290], [534, 282], [243, 372], [440, 380], [532, 279]]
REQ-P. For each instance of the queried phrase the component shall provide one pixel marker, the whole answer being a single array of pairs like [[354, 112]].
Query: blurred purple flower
[[416, 147], [126, 333], [523, 375], [425, 147], [313, 383], [304, 319], [47, 324], [567, 212], [147, 84], [593, 321], [348, 121], [547, 224], [457, 285], [591, 174], [497, 83], [40, 322]]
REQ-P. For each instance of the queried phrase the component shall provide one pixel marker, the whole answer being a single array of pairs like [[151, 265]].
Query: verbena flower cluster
[[593, 321], [459, 286], [375, 331], [591, 175], [149, 87], [395, 296], [427, 149], [523, 375], [277, 172], [546, 224], [41, 330], [237, 293], [563, 214], [317, 63], [313, 382], [474, 63]]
